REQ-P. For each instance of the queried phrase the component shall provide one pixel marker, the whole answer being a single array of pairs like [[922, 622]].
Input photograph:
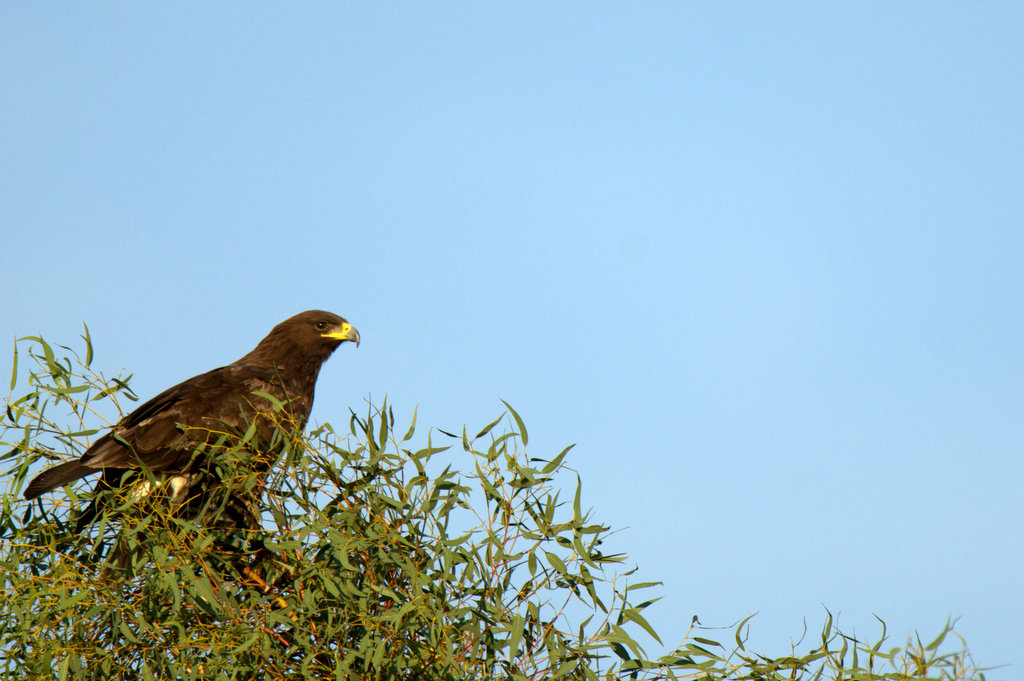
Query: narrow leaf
[[88, 345], [412, 426], [555, 462], [519, 422], [488, 427], [516, 637], [14, 369]]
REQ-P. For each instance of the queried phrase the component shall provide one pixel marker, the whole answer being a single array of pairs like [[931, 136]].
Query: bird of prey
[[178, 434]]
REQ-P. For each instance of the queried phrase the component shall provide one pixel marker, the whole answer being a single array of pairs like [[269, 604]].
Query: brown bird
[[178, 433]]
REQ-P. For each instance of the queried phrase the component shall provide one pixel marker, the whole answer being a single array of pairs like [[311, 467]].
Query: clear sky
[[763, 262]]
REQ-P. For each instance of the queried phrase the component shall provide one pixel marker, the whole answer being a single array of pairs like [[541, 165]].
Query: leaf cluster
[[378, 558]]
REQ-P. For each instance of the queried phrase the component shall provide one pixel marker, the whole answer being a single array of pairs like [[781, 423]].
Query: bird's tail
[[55, 477]]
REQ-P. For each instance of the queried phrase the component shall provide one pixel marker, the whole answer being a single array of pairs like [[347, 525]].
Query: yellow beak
[[345, 332]]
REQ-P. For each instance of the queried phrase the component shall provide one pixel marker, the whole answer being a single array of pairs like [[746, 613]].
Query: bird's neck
[[295, 369]]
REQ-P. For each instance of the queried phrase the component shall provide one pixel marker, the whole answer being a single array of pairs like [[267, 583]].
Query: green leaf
[[88, 345], [253, 640], [277, 404], [644, 585], [250, 433], [383, 430], [519, 422], [567, 666], [739, 630], [556, 562], [412, 426], [555, 462], [516, 636], [577, 513], [488, 427], [72, 600], [634, 616], [14, 367]]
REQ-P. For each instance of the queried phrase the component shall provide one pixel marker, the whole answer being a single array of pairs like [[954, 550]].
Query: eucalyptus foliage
[[388, 560]]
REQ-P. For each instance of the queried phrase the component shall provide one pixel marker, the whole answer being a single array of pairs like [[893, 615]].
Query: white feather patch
[[178, 484]]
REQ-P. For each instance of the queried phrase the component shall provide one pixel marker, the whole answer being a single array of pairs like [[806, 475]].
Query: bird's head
[[319, 328], [311, 335]]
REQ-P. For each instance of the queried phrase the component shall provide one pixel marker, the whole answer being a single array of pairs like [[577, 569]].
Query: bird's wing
[[163, 432]]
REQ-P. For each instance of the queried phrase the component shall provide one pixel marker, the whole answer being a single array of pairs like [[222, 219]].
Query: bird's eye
[[321, 325]]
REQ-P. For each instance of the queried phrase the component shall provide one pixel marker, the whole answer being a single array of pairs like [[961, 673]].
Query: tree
[[388, 562]]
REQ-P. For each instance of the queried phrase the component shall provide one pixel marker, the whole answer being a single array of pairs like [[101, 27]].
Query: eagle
[[244, 406]]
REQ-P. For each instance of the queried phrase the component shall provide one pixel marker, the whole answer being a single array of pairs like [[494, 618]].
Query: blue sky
[[764, 262]]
